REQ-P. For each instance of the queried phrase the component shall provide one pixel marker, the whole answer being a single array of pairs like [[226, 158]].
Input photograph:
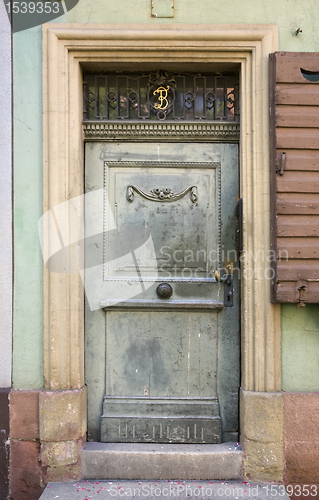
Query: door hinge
[[281, 163], [239, 226], [228, 290], [301, 293]]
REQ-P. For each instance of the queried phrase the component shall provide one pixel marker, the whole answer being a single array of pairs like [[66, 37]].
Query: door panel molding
[[162, 305], [180, 420], [65, 48]]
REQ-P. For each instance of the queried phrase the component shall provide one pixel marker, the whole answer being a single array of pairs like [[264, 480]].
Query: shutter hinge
[[280, 163], [301, 293]]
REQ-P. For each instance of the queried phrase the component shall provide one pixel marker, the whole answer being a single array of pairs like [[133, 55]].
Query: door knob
[[164, 291]]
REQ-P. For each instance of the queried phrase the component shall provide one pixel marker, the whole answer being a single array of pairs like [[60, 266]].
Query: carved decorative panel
[[184, 223]]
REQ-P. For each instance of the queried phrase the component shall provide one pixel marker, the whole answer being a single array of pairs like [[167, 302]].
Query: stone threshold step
[[162, 461], [151, 490]]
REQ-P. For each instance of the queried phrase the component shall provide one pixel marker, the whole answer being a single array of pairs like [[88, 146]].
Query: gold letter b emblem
[[162, 97]]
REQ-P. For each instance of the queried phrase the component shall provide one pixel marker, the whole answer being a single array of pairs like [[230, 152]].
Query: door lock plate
[[228, 290]]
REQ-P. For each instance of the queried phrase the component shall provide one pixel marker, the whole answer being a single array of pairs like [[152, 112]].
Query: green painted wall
[[28, 329], [288, 14], [28, 302], [300, 348]]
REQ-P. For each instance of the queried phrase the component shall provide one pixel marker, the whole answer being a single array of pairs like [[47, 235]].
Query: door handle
[[164, 291]]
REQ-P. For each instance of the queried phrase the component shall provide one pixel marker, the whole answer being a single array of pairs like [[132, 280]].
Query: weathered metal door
[[162, 313]]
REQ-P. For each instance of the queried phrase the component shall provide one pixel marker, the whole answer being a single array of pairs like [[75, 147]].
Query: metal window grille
[[161, 95]]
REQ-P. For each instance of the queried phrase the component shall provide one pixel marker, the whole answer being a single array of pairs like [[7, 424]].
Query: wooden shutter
[[294, 159]]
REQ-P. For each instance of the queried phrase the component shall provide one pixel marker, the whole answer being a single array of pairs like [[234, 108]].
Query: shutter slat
[[300, 203], [297, 138], [299, 94], [298, 182], [289, 65], [294, 181], [294, 270], [298, 225], [297, 116], [298, 248]]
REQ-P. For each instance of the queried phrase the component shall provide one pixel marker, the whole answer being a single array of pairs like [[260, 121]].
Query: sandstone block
[[302, 463], [62, 473], [62, 415], [4, 442], [24, 414], [262, 416], [301, 423], [263, 461], [301, 413], [61, 453], [25, 471], [262, 435]]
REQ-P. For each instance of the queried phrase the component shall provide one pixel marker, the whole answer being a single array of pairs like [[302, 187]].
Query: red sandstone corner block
[[302, 463], [25, 471], [4, 442], [301, 417], [63, 415], [301, 429], [62, 473], [24, 414]]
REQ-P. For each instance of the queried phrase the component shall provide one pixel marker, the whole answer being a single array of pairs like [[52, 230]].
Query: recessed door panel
[[162, 200], [162, 354]]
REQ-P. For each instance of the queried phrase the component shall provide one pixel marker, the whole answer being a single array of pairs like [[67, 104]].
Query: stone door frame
[[66, 47]]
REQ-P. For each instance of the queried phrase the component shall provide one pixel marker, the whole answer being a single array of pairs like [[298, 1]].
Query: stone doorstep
[[129, 490], [162, 461]]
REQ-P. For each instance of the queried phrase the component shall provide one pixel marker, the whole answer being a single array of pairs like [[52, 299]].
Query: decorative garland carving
[[161, 194]]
